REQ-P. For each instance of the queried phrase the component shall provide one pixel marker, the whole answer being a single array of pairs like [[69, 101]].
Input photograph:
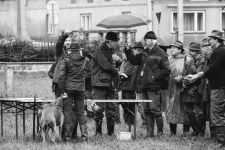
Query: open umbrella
[[122, 21]]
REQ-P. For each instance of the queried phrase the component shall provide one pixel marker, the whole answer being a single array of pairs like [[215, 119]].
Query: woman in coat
[[175, 106]]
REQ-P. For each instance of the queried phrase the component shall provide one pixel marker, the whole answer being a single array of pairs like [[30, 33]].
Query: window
[[52, 21], [85, 21], [193, 21], [222, 21], [73, 1], [126, 12], [90, 1]]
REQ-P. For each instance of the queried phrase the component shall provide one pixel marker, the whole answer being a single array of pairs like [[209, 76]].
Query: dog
[[51, 115], [92, 106]]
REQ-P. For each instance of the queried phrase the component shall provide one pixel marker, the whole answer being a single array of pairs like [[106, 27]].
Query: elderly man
[[153, 72], [216, 76]]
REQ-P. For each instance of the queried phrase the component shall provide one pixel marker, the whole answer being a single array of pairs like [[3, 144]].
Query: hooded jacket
[[72, 72]]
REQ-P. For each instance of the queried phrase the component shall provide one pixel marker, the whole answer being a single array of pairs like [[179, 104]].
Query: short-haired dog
[[51, 115]]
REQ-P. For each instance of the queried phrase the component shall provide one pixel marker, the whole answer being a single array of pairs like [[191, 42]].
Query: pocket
[[105, 77]]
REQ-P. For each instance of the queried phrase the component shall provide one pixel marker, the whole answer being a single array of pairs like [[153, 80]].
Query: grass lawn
[[27, 85]]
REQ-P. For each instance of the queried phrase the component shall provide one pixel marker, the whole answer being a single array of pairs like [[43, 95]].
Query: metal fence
[[28, 52]]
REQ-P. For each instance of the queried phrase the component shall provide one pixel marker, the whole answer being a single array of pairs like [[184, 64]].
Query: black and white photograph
[[112, 74]]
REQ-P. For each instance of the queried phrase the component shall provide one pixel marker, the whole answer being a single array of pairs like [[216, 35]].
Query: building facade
[[200, 17]]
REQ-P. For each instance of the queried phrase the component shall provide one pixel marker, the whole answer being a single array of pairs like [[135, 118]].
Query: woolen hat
[[112, 36], [178, 44], [194, 46], [138, 45], [150, 35], [217, 34]]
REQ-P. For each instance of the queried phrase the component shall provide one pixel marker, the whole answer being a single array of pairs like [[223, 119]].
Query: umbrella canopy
[[122, 21]]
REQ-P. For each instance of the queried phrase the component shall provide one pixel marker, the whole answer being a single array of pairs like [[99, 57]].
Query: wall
[[26, 66], [8, 22]]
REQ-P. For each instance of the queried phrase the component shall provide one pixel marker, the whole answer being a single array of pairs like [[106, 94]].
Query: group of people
[[195, 81]]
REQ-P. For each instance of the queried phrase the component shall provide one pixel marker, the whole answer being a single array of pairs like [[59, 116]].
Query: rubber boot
[[98, 127], [159, 123], [66, 132], [150, 125], [212, 132], [110, 126], [201, 125], [194, 124], [173, 129], [220, 135], [186, 129], [84, 133], [74, 134]]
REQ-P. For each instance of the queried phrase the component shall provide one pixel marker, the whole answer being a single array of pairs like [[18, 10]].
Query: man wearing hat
[[191, 95], [126, 73], [216, 76], [103, 72], [72, 85], [154, 69], [175, 111]]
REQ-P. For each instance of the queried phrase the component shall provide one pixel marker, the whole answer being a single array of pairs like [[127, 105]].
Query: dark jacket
[[216, 71], [154, 68], [128, 69], [103, 70], [193, 90], [59, 54], [72, 72]]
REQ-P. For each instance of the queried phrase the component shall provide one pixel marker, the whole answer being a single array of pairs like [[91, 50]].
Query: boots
[[212, 132], [150, 125], [186, 129], [63, 133], [110, 126], [84, 133], [194, 124], [220, 135], [159, 123], [74, 134], [201, 125], [66, 132], [98, 127], [173, 129]]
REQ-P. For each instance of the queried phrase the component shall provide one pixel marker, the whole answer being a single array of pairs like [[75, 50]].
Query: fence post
[[8, 80]]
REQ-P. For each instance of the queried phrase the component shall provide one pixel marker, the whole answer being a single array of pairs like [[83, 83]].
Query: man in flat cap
[[216, 76], [153, 73]]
